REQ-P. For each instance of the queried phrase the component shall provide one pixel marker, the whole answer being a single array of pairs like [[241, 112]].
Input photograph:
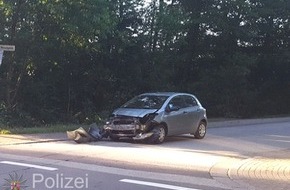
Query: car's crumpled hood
[[133, 112]]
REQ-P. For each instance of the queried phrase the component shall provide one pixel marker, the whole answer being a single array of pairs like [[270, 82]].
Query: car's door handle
[[185, 112]]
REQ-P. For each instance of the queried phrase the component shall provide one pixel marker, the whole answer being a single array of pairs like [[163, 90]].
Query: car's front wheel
[[158, 136], [201, 130]]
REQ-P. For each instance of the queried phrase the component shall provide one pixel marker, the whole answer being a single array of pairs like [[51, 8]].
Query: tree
[[75, 59]]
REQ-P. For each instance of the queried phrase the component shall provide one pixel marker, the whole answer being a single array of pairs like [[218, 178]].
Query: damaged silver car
[[153, 116]]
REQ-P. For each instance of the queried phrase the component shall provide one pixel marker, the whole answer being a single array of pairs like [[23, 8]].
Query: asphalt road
[[70, 175], [220, 161]]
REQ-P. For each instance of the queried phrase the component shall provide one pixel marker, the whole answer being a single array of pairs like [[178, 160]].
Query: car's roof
[[165, 93]]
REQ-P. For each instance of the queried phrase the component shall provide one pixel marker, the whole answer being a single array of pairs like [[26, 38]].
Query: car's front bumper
[[128, 130], [135, 131]]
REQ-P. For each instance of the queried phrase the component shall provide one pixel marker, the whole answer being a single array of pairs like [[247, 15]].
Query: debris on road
[[80, 135]]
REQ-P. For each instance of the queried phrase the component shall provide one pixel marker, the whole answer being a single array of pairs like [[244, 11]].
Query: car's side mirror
[[171, 108]]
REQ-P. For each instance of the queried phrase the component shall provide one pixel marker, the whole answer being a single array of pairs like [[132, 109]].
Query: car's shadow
[[171, 139]]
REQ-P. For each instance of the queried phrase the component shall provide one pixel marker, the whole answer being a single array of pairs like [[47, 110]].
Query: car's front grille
[[117, 132], [123, 122]]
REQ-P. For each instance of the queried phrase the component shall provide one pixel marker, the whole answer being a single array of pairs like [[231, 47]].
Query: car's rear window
[[146, 102]]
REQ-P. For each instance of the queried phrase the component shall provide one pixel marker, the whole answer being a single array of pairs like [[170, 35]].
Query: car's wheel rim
[[161, 134], [202, 130]]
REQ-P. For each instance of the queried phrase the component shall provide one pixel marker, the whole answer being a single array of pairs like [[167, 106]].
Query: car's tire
[[200, 131], [158, 136]]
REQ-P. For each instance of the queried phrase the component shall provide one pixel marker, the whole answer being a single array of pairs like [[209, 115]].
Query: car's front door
[[177, 116]]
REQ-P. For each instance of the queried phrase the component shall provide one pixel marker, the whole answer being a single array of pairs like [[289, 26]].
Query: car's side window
[[177, 102], [189, 101]]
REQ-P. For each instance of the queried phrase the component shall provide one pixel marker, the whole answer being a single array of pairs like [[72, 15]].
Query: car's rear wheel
[[158, 136], [201, 130]]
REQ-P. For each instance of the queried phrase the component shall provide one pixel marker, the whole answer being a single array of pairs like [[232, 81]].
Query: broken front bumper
[[135, 131]]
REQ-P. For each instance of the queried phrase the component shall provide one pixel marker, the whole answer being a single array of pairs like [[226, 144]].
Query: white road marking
[[29, 165], [119, 171], [160, 185]]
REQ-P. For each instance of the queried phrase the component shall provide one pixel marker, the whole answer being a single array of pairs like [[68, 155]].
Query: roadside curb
[[31, 138], [248, 173], [221, 170], [216, 123]]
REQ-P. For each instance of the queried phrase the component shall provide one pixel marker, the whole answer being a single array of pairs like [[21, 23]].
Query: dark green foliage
[[76, 60]]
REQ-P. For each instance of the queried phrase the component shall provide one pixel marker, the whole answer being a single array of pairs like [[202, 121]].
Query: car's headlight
[[108, 122]]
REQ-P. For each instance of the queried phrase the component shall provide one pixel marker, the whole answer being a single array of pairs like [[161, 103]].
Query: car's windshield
[[146, 102]]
